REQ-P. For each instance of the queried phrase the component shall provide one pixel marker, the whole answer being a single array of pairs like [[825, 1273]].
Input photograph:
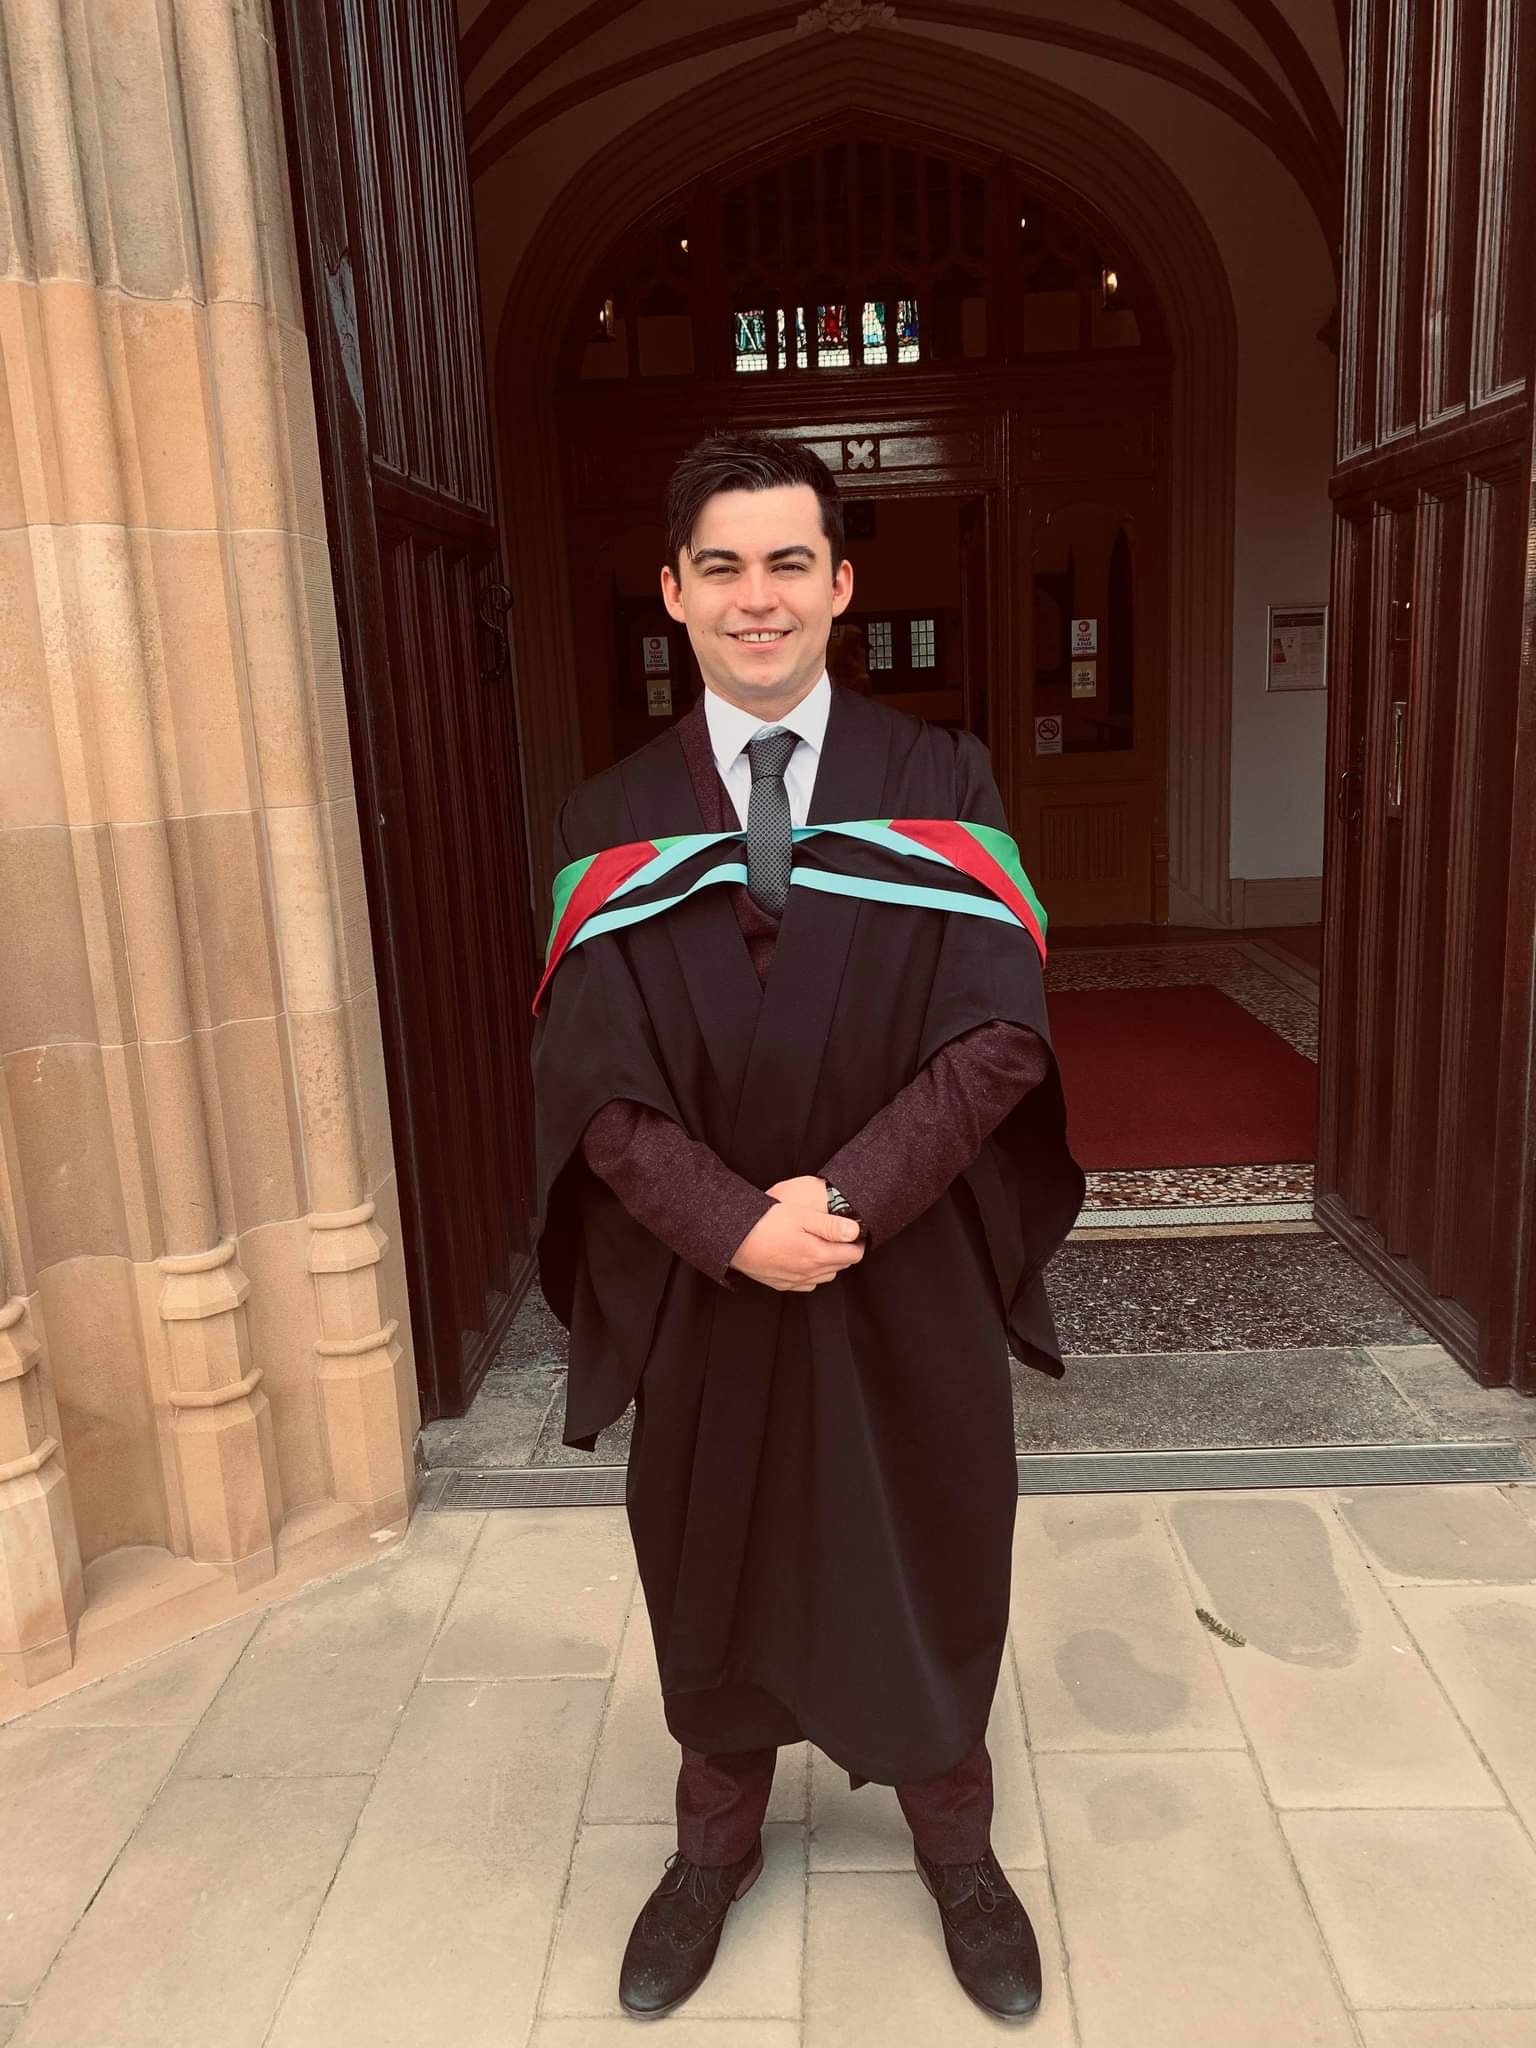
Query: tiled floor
[[419, 1805]]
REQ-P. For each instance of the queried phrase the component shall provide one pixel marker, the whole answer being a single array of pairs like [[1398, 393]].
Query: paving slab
[[866, 1830], [502, 1425], [635, 1775], [1424, 1908], [1106, 1643], [196, 1931], [877, 1972], [171, 1690], [1179, 1907], [544, 1596], [1337, 1702], [756, 1974], [11, 2017], [1448, 2029], [1447, 1395], [320, 1689], [1480, 1642], [1213, 1400], [1423, 1535], [69, 1799], [438, 1926]]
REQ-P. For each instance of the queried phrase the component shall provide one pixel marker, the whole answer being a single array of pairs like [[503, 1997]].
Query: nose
[[755, 592]]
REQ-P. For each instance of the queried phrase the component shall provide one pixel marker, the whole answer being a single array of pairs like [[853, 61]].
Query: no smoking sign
[[1048, 735]]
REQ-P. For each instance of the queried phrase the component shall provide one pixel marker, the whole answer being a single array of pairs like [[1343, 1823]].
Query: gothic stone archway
[[939, 91]]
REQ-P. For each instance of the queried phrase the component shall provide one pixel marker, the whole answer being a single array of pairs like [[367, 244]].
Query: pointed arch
[[942, 92]]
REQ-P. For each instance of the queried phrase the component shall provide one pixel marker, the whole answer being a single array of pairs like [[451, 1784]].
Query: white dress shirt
[[730, 729]]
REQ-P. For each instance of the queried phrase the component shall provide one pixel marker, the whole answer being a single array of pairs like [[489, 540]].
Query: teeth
[[757, 638]]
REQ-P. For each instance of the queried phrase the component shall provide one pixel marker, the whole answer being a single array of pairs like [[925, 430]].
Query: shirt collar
[[731, 728]]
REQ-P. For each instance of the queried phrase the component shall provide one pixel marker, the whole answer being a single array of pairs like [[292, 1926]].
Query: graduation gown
[[821, 1487]]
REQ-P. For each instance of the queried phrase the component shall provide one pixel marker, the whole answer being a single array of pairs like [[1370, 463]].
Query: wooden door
[[374, 120], [1090, 751], [1427, 1139]]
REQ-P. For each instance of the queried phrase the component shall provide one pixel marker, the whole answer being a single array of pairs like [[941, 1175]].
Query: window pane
[[908, 350], [922, 643], [874, 331], [880, 648], [751, 340], [832, 350]]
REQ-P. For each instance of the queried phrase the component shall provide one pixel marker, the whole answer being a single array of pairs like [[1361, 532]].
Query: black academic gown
[[822, 1486]]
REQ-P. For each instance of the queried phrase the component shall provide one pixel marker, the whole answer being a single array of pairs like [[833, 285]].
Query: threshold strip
[[1492, 1463]]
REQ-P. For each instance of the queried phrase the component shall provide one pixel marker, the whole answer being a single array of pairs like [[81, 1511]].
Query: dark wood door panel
[[1429, 1044], [391, 295]]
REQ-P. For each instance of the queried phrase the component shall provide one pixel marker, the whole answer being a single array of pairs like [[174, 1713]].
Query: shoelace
[[689, 1874], [978, 1878]]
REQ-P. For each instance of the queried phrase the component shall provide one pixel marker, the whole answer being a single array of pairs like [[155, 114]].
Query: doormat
[[1220, 1197]]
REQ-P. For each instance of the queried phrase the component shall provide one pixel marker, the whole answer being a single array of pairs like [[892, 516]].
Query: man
[[802, 1159]]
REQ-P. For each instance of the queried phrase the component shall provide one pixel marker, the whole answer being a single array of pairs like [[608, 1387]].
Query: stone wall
[[205, 1365]]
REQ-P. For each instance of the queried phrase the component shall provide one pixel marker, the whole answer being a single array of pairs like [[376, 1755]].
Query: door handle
[[492, 606], [1397, 757]]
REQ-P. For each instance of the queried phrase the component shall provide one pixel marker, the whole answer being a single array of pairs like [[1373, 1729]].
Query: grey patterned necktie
[[769, 842]]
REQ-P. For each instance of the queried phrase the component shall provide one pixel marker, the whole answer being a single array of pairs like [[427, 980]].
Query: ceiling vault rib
[[523, 70], [485, 32], [1283, 131], [1327, 150], [1318, 116]]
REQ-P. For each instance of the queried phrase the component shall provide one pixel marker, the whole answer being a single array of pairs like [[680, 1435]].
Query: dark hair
[[746, 462]]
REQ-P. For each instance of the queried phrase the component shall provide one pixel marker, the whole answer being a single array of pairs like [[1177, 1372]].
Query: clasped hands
[[798, 1245]]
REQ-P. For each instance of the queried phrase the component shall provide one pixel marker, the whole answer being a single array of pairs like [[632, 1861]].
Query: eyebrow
[[698, 555]]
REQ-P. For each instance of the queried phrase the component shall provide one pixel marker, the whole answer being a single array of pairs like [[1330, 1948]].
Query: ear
[[842, 588], [672, 595]]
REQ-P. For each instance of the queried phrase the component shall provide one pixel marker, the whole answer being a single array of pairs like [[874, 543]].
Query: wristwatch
[[838, 1204]]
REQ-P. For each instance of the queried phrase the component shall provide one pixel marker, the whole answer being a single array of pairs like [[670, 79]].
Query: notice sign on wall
[[658, 654], [1048, 735], [1085, 636], [1298, 647], [658, 700], [1085, 679]]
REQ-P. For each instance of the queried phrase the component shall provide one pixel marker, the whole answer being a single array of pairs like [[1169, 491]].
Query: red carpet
[[1179, 1077]]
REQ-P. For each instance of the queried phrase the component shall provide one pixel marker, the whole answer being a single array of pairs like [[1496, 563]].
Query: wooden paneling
[[1427, 1014], [375, 129]]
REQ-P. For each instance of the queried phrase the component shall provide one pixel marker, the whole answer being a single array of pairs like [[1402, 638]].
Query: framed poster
[[1298, 647]]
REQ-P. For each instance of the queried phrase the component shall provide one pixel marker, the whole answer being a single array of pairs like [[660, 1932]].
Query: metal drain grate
[[542, 1486], [1284, 1465], [602, 1486]]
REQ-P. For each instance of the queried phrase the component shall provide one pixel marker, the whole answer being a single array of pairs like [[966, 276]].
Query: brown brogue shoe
[[991, 1944], [673, 1943]]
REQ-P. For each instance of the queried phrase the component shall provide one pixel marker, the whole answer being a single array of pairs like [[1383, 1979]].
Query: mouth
[[761, 637]]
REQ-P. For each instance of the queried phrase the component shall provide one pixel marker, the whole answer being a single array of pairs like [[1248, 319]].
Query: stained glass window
[[751, 340], [832, 350], [763, 337]]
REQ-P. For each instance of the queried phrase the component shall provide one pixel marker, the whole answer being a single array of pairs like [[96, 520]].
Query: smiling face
[[758, 594]]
